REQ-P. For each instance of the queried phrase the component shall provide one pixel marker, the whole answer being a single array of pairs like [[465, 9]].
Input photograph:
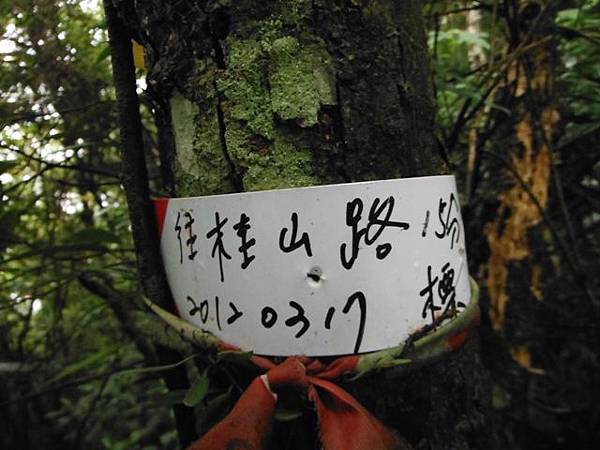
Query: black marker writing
[[299, 317], [375, 226], [446, 292], [235, 316], [202, 309], [195, 308], [449, 222], [178, 230], [425, 224], [268, 317], [328, 317], [430, 301], [218, 245], [241, 229], [217, 313], [294, 241], [362, 306], [192, 237]]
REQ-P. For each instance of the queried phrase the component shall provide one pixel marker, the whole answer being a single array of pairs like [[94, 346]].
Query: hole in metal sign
[[314, 276]]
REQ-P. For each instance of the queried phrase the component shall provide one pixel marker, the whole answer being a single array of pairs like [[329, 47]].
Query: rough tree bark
[[539, 334], [267, 95]]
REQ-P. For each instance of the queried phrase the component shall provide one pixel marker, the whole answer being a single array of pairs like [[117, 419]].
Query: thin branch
[[136, 367], [28, 117], [73, 383], [456, 11], [89, 412], [120, 304], [141, 210], [51, 165]]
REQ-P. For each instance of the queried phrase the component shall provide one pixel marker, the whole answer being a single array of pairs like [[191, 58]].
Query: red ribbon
[[344, 424]]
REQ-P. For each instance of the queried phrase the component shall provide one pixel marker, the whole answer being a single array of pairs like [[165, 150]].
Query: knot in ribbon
[[344, 424]]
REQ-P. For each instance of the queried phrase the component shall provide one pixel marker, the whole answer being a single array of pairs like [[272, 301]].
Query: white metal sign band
[[318, 271]]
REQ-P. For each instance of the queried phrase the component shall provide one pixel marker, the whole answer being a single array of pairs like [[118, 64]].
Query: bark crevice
[[235, 175]]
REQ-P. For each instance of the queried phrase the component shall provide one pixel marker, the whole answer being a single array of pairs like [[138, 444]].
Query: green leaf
[[477, 39], [197, 392], [104, 53], [568, 15], [94, 360]]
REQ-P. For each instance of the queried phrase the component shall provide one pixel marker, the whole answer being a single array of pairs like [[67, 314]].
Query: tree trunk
[[541, 336], [268, 95]]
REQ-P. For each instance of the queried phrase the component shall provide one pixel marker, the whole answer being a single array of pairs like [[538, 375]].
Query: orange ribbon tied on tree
[[344, 424]]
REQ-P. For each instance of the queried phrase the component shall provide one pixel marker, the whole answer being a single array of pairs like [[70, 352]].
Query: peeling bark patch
[[507, 238], [201, 165], [531, 78], [522, 356], [183, 113], [536, 282]]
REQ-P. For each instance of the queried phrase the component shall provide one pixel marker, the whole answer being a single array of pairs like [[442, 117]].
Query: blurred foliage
[[65, 351], [63, 216], [499, 67]]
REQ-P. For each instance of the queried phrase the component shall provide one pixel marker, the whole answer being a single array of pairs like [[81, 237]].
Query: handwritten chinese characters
[[441, 288], [449, 225], [379, 218], [321, 271], [376, 224], [269, 315]]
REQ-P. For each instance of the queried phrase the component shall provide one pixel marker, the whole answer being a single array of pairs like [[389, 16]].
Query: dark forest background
[[517, 89]]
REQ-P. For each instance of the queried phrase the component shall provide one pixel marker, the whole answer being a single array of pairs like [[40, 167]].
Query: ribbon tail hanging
[[346, 425], [247, 425], [343, 423]]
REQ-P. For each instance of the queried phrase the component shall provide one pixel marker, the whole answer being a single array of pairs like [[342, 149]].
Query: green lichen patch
[[268, 80], [266, 164], [271, 83], [244, 86], [200, 86], [301, 80], [272, 20], [286, 166], [214, 168], [276, 76]]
